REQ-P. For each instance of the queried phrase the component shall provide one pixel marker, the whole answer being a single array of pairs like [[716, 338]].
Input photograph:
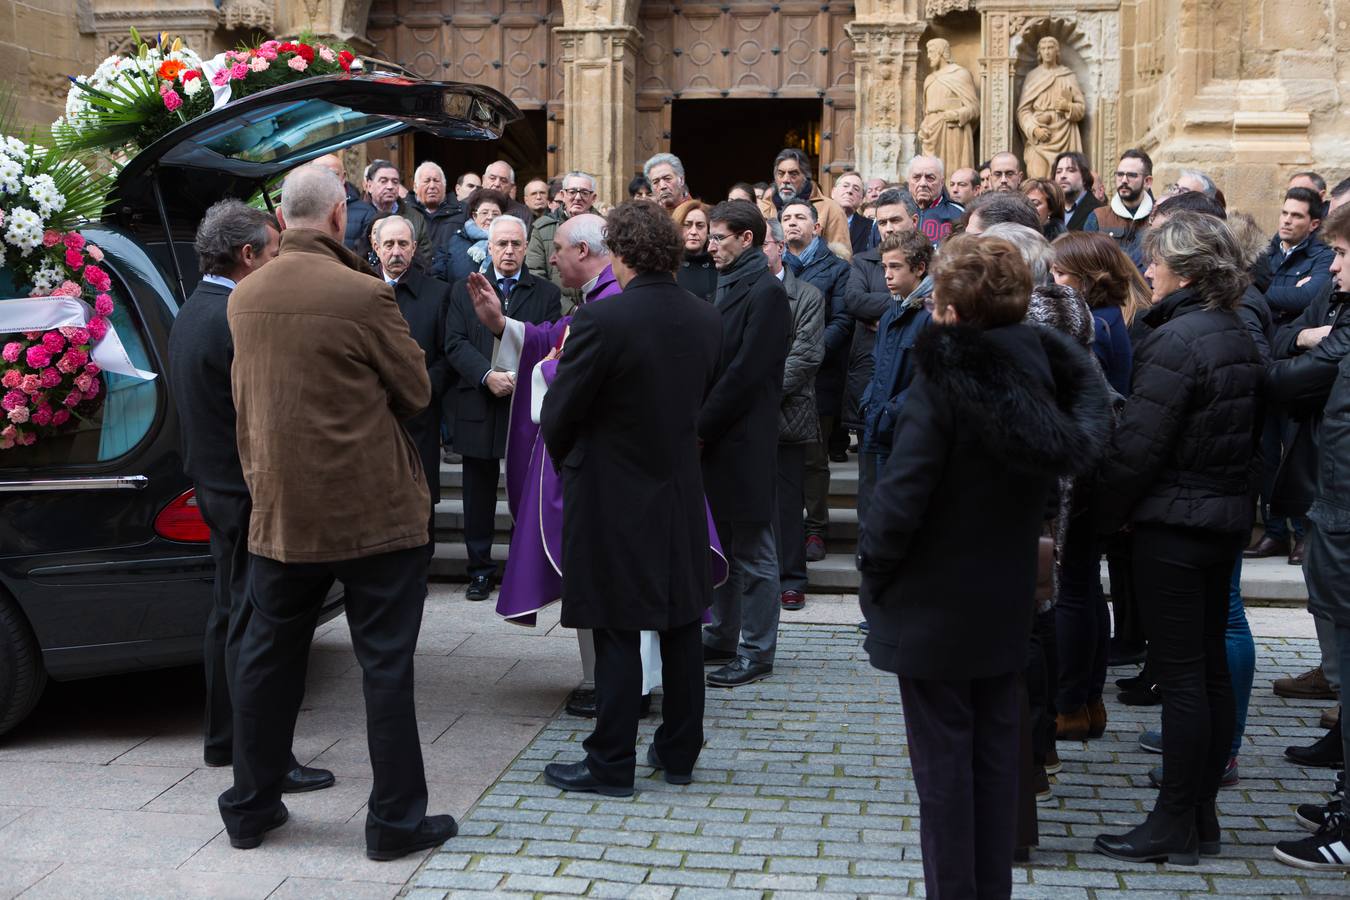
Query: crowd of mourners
[[1034, 374]]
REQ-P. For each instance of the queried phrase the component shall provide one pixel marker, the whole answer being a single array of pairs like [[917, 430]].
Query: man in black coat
[[483, 395], [739, 431], [233, 241], [424, 302], [620, 420]]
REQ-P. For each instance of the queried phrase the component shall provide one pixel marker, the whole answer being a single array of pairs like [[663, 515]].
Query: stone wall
[[39, 46]]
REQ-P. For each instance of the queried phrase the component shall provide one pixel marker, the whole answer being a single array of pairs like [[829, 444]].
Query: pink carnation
[[30, 384], [11, 379], [171, 99], [19, 414], [11, 351], [13, 400], [38, 356], [266, 52], [297, 63], [92, 368], [92, 392], [61, 417], [73, 241], [51, 238], [260, 63], [95, 253], [73, 399], [81, 336], [49, 377], [27, 439], [82, 381], [97, 278], [32, 335], [42, 415], [69, 289], [53, 342], [239, 71], [271, 45], [221, 78], [72, 361], [6, 443], [9, 433], [74, 259], [326, 54], [98, 327], [103, 305]]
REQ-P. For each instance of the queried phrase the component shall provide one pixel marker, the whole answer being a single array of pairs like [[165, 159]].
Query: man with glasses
[[792, 181], [665, 172], [738, 429], [578, 198], [937, 213], [848, 193], [1126, 217], [1005, 173]]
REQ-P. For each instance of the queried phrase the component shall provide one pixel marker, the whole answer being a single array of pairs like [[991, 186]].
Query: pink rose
[[73, 241], [30, 384], [95, 253], [50, 378], [73, 399], [13, 400], [326, 54], [19, 414], [53, 342], [11, 379], [11, 351], [239, 71], [259, 64], [27, 439], [98, 327], [61, 417], [42, 415], [82, 381], [298, 63], [221, 78], [97, 278], [38, 356], [69, 289], [51, 238]]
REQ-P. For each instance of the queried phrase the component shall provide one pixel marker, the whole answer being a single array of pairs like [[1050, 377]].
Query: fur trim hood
[[997, 384]]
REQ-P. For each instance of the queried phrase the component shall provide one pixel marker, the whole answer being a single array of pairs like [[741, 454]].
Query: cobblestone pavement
[[804, 789]]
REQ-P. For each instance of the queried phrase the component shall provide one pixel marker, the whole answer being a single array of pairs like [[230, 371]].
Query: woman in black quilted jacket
[[1181, 473]]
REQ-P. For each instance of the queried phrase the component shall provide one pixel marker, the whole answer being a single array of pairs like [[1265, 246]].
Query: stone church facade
[[1248, 90]]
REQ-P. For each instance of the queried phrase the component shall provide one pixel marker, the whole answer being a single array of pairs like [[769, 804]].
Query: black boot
[[1326, 752], [1207, 828], [1162, 837]]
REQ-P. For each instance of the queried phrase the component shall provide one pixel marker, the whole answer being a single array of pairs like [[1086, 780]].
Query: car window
[[129, 408], [287, 130]]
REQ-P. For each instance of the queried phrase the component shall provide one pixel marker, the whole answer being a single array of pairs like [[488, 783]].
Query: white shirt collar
[[499, 276], [220, 280], [590, 285], [782, 272]]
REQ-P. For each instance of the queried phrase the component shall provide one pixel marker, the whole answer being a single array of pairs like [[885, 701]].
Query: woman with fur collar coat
[[996, 413]]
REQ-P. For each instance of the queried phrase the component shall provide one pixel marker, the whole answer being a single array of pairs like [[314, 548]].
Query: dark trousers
[[1082, 620], [480, 512], [226, 515], [1042, 680], [1127, 620], [870, 466], [611, 750], [816, 482], [963, 746], [384, 597], [789, 529], [1276, 436], [1182, 577]]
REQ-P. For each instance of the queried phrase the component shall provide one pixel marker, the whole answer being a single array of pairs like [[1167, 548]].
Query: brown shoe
[[1073, 726], [1296, 554], [1331, 717], [792, 600], [1096, 719], [1267, 547], [1311, 685]]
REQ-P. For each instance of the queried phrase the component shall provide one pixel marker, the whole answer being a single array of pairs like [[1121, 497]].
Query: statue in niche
[[950, 108], [1051, 107]]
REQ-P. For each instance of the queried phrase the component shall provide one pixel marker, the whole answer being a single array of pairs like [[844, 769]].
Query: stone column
[[997, 67], [885, 70], [599, 133]]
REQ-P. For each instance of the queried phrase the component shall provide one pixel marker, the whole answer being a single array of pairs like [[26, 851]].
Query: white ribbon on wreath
[[46, 313]]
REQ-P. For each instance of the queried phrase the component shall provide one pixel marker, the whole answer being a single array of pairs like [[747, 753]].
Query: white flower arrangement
[[79, 115], [23, 230]]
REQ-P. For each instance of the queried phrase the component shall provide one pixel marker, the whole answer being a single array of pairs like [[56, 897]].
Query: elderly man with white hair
[[937, 212], [438, 206], [578, 198], [324, 373], [483, 394]]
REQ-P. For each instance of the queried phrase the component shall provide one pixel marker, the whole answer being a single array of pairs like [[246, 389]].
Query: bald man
[[333, 163]]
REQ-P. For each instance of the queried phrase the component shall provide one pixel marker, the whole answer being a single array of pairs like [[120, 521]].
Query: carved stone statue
[[1051, 107], [950, 108]]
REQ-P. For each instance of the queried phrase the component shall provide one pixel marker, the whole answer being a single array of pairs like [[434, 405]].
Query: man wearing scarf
[[1126, 218], [738, 428], [791, 181]]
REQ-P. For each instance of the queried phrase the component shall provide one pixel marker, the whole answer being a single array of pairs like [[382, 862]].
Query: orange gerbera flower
[[170, 69]]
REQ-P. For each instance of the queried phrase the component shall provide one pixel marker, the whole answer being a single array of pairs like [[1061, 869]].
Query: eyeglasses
[[715, 238], [576, 192]]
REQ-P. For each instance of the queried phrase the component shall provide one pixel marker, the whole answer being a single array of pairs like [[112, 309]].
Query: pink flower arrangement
[[50, 238], [68, 289], [221, 78], [260, 63], [171, 99], [298, 63], [95, 252], [11, 351], [73, 241], [239, 71], [19, 415], [97, 278], [30, 384], [98, 327], [50, 378], [60, 417], [103, 305], [11, 379], [38, 356], [42, 415]]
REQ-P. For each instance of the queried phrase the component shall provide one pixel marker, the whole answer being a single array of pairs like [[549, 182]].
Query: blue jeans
[[1241, 655]]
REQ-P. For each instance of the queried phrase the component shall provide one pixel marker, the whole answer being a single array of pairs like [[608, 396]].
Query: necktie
[[506, 284]]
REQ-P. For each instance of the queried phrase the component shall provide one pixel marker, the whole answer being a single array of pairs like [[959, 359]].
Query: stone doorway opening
[[722, 142]]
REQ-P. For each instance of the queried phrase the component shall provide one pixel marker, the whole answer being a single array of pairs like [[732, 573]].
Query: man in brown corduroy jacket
[[324, 371]]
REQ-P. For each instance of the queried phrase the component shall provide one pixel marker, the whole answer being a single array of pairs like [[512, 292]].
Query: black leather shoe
[[248, 842], [1267, 547], [217, 758], [1134, 682], [714, 657], [303, 779], [740, 671], [432, 831], [1158, 839], [654, 761], [581, 702], [1296, 554], [577, 777], [1148, 696], [480, 588], [1324, 753]]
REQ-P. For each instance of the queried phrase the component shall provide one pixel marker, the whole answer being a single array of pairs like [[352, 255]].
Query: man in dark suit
[[621, 417], [233, 241], [739, 430], [424, 302], [483, 395]]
